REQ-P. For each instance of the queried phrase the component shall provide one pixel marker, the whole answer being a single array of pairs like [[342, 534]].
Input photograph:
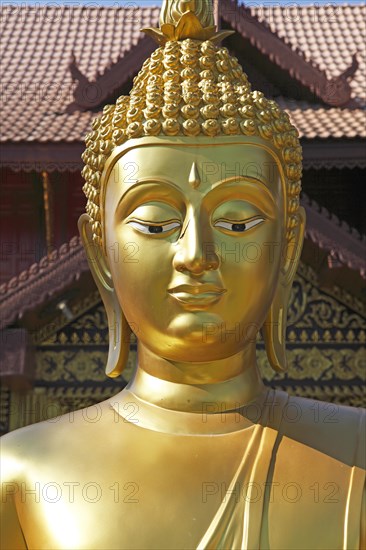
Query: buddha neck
[[224, 385]]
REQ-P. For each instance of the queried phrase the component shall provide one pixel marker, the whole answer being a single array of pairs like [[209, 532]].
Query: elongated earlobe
[[274, 327], [119, 342], [119, 330], [274, 332]]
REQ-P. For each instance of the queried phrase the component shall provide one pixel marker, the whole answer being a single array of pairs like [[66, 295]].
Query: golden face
[[193, 239]]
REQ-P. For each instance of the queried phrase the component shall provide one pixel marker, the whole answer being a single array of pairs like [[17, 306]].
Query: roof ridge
[[333, 91], [345, 245], [107, 81], [45, 265], [333, 218], [42, 280], [284, 39]]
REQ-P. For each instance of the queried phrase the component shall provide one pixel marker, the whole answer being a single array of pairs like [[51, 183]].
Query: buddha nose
[[196, 249]]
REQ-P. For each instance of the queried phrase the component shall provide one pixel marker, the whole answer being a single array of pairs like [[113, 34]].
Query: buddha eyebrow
[[241, 179], [249, 180], [149, 180], [252, 187]]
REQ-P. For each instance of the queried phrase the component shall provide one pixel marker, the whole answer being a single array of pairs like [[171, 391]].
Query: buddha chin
[[210, 337]]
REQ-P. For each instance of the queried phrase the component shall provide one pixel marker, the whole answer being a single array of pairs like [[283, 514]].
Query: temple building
[[60, 66]]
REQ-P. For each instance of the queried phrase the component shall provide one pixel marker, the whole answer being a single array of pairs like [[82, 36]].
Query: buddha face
[[193, 236]]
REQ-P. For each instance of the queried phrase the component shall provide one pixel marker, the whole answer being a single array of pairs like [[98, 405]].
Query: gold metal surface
[[187, 19], [193, 236]]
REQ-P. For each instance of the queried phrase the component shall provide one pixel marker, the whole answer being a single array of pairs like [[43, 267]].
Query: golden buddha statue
[[193, 233]]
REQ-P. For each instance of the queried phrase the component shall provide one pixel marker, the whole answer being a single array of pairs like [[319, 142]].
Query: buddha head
[[193, 228]]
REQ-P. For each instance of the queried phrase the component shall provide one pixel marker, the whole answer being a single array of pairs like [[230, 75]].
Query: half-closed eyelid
[[229, 224], [144, 226], [153, 222]]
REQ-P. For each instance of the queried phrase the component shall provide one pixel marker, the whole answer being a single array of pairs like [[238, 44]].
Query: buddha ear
[[274, 327], [119, 330]]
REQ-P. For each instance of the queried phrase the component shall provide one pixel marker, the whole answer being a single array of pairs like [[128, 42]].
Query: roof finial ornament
[[181, 19]]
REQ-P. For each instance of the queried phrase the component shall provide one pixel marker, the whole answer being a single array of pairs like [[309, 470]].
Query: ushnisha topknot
[[191, 88]]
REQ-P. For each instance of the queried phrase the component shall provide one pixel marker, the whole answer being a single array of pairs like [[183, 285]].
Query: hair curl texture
[[191, 88]]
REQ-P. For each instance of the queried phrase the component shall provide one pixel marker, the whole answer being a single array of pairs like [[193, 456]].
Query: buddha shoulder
[[332, 429], [72, 435]]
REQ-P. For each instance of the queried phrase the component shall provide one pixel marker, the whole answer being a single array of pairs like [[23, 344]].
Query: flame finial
[[181, 19]]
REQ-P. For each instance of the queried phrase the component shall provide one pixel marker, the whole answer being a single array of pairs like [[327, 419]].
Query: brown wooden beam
[[48, 210]]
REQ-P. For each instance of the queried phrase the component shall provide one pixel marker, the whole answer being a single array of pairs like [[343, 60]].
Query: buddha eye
[[154, 229], [238, 227]]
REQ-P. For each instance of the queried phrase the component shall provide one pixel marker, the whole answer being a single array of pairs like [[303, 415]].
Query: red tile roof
[[327, 35], [335, 92], [315, 121], [38, 45], [39, 42]]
